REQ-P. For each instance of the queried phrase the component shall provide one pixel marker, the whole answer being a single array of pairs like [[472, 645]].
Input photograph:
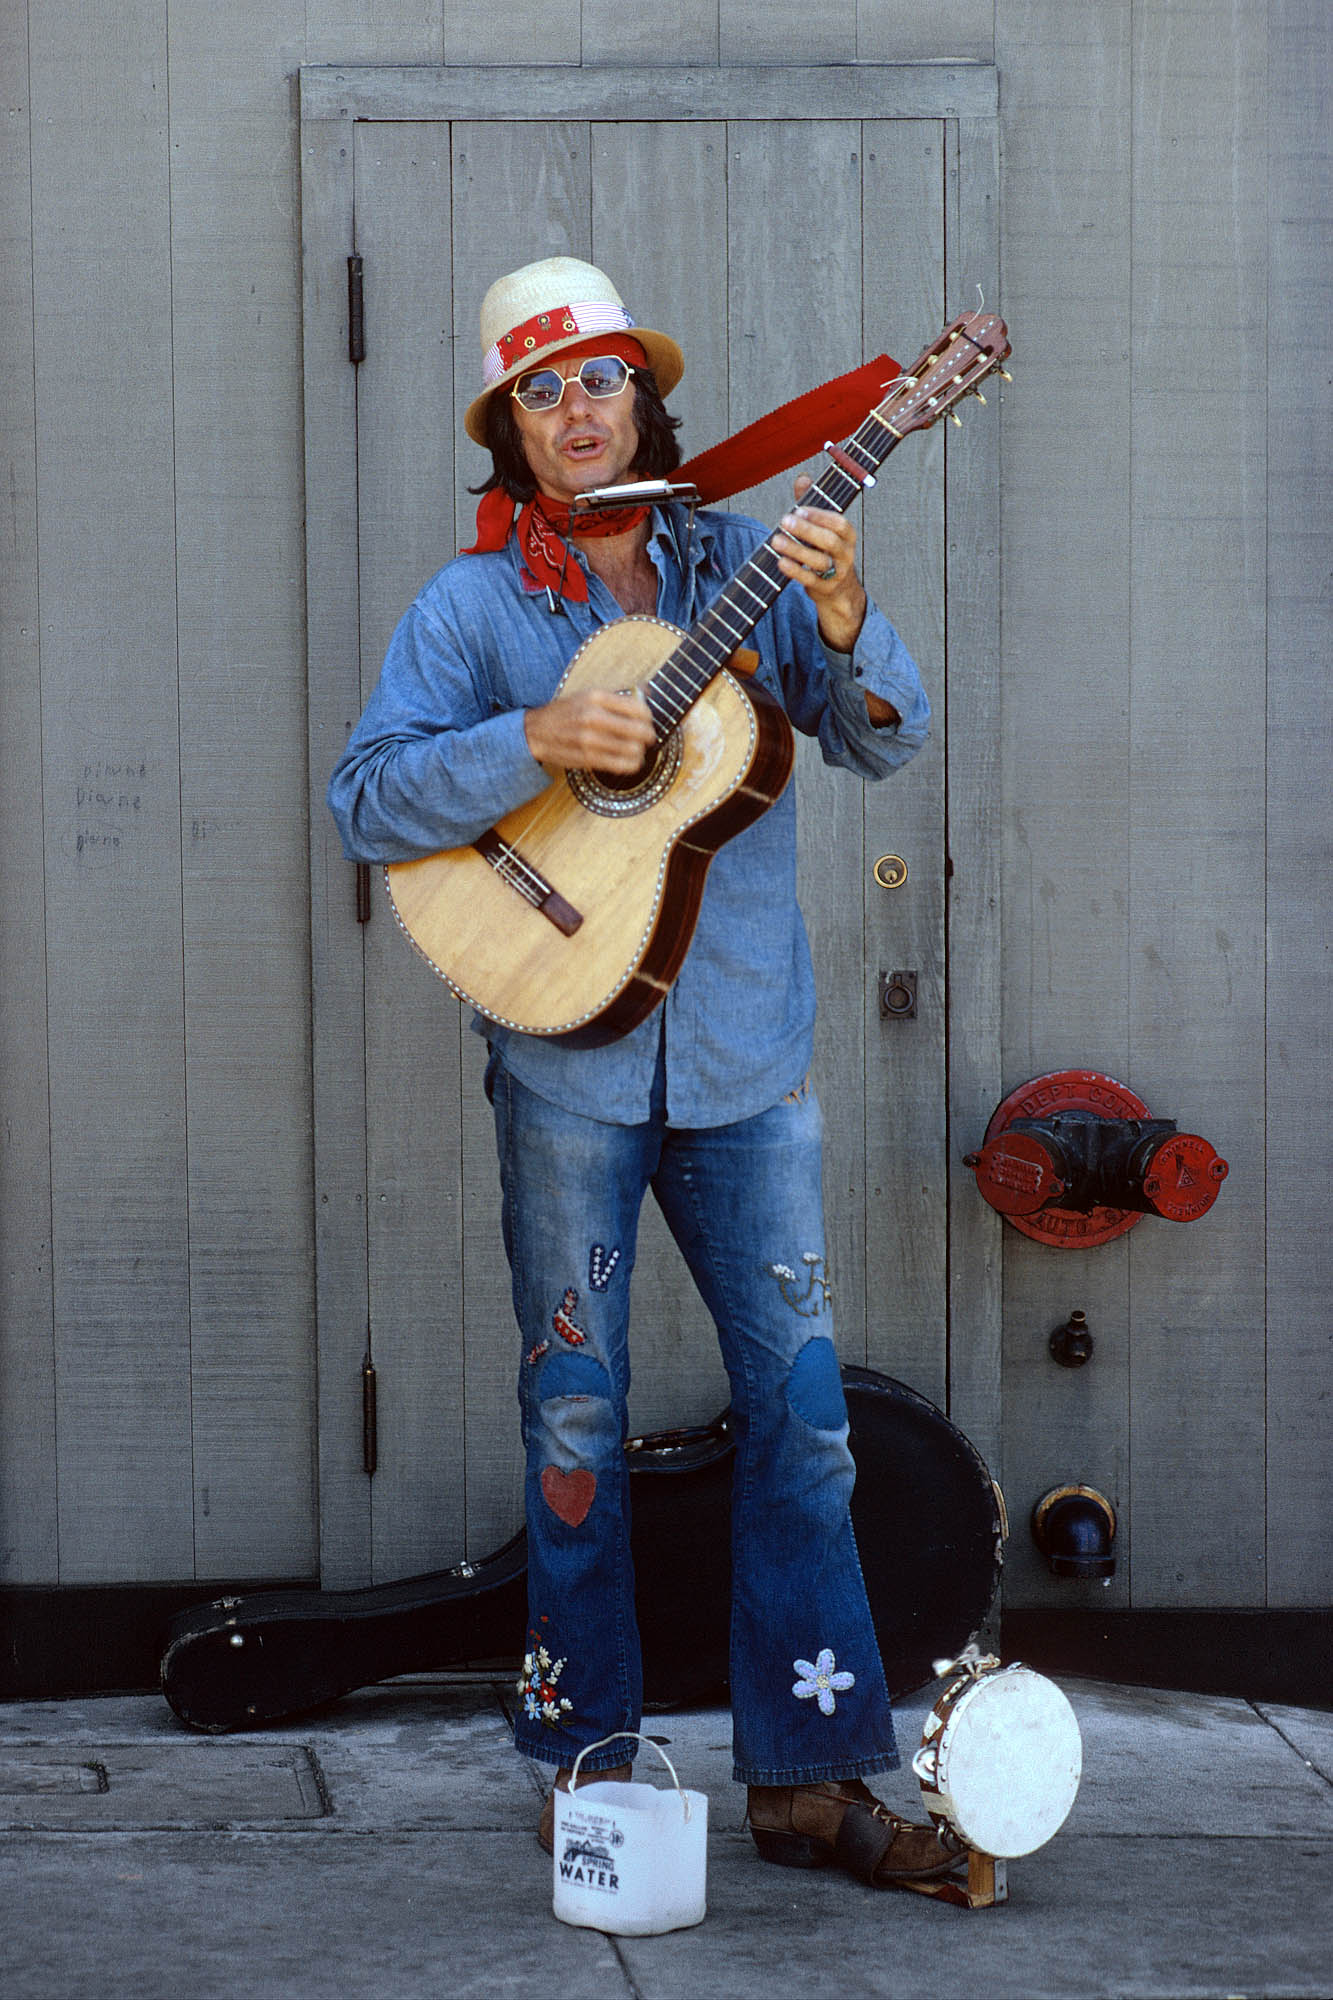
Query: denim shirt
[[440, 754]]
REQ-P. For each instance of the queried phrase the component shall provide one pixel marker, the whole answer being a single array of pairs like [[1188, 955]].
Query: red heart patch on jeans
[[568, 1494]]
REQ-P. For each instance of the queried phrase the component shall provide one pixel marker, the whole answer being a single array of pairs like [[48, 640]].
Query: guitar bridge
[[529, 882]]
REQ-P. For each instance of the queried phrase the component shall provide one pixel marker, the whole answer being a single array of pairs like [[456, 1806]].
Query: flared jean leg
[[744, 1202], [573, 1188]]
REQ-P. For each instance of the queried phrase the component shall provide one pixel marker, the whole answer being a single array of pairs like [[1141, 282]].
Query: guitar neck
[[729, 620]]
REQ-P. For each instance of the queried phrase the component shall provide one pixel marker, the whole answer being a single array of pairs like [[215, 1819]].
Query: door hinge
[[369, 1419], [356, 311]]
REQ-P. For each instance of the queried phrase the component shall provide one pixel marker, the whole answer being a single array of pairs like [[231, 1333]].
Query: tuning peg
[[954, 418], [1005, 376], [977, 393]]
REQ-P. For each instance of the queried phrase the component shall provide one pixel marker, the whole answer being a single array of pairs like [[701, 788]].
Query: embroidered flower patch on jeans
[[536, 1687], [818, 1293], [820, 1683]]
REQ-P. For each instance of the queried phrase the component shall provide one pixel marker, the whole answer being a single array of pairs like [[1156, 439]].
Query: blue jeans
[[744, 1203]]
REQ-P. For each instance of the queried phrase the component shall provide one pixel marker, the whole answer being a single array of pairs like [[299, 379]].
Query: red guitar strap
[[792, 432]]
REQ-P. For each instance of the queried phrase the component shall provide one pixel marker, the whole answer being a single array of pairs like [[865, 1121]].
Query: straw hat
[[538, 312]]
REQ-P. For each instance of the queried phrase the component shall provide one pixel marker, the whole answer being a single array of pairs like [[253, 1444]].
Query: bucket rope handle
[[614, 1737]]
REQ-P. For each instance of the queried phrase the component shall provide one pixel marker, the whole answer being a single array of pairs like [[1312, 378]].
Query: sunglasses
[[600, 375]]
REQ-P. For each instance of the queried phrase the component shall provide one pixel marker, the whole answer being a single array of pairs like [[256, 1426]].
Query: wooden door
[[780, 250]]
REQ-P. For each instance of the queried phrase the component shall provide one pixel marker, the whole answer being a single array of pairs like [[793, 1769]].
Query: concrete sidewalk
[[386, 1847]]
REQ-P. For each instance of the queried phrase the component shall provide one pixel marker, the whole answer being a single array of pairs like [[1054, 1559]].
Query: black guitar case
[[929, 1528]]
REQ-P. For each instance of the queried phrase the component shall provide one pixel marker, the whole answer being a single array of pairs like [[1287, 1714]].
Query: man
[[707, 1101]]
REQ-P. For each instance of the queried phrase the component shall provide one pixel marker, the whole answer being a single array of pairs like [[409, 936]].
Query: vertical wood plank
[[406, 31], [29, 1551], [112, 789], [476, 32], [903, 545], [337, 949], [243, 806], [900, 31], [520, 192], [972, 728], [796, 317], [1196, 788], [682, 31], [674, 277], [1300, 743], [749, 32], [405, 471], [1067, 540]]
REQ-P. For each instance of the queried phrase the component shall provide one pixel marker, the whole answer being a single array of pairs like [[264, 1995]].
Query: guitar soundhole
[[616, 796]]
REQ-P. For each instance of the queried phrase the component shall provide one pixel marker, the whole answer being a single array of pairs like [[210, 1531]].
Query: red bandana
[[544, 528]]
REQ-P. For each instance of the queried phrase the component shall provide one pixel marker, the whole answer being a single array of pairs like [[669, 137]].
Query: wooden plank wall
[[28, 1482], [1162, 180], [245, 893], [342, 1305], [1196, 789], [903, 1082], [414, 1219], [111, 794], [1065, 705], [158, 1361], [1299, 872], [1162, 746]]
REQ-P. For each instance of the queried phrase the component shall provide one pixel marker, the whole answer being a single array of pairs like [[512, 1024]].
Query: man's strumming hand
[[598, 730]]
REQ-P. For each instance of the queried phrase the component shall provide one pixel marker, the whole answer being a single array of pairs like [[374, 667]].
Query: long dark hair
[[657, 457]]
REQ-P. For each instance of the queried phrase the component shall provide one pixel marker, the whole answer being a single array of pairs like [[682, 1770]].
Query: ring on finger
[[826, 575]]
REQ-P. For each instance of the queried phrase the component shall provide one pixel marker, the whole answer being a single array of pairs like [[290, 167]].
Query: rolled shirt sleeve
[[430, 765], [879, 664]]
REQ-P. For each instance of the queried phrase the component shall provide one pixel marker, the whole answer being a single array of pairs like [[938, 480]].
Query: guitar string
[[510, 865], [725, 602]]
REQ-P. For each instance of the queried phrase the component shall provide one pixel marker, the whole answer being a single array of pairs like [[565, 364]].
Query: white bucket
[[629, 1858]]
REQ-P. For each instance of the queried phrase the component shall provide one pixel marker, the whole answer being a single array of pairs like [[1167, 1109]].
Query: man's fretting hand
[[817, 548], [599, 730]]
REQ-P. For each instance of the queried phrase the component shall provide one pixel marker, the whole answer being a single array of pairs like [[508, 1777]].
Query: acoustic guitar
[[572, 915]]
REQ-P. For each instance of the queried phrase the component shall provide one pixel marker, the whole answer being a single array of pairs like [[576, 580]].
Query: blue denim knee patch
[[575, 1411], [571, 1375], [578, 1430], [814, 1386]]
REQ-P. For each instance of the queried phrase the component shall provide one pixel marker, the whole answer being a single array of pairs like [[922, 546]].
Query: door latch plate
[[897, 995]]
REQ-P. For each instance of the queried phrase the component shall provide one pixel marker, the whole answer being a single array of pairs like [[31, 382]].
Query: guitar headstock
[[971, 347]]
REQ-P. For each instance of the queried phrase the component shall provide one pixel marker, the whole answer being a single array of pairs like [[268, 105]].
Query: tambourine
[[1001, 1757]]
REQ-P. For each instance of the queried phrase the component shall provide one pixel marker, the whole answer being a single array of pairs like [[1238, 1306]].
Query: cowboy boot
[[842, 1824]]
